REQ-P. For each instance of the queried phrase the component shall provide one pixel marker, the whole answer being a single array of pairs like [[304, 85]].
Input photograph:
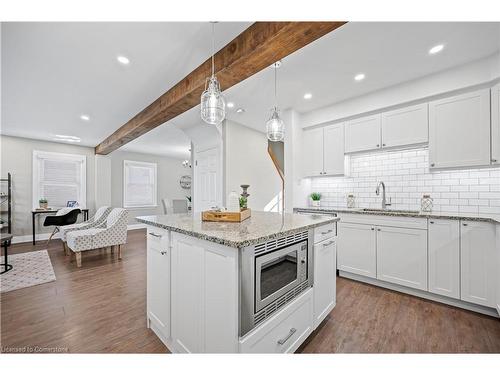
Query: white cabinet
[[478, 271], [324, 279], [323, 150], [363, 134], [333, 146], [459, 130], [444, 257], [498, 268], [313, 152], [204, 296], [495, 125], [158, 282], [402, 256], [356, 248], [405, 126]]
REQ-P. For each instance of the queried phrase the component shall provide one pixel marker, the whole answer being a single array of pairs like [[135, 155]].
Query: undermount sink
[[389, 210]]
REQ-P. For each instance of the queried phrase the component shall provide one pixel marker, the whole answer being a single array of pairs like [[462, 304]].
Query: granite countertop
[[260, 227], [494, 218]]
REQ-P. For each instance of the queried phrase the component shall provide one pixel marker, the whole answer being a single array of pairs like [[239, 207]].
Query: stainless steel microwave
[[272, 274]]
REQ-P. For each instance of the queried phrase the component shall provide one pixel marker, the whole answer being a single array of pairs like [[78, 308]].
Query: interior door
[[333, 145], [207, 182]]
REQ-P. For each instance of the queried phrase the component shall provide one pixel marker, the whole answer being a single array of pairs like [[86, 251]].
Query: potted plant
[[316, 199], [43, 203], [243, 203]]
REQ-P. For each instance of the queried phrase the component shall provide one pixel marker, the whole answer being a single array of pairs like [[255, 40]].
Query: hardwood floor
[[101, 308]]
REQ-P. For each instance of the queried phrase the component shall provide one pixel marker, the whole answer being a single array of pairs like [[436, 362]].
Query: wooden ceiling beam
[[256, 48]]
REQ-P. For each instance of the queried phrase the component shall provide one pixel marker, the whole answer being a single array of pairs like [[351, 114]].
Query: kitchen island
[[262, 285]]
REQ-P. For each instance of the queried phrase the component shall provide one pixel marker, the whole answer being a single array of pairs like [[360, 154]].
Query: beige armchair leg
[[119, 251], [112, 249], [78, 256]]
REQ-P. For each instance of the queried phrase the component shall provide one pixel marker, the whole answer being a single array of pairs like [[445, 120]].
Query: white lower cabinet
[[158, 282], [478, 271], [284, 332], [356, 246], [402, 256], [204, 296], [444, 257], [324, 279]]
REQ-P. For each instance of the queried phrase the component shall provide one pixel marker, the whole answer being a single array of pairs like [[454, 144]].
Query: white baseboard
[[422, 294], [45, 236]]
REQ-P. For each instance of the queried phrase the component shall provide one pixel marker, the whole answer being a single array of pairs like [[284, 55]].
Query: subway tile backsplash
[[407, 176]]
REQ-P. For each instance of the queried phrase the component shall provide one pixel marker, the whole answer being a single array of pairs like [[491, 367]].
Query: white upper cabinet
[[478, 271], [444, 257], [405, 126], [495, 124], [313, 152], [402, 256], [333, 145], [459, 130], [323, 151], [363, 134]]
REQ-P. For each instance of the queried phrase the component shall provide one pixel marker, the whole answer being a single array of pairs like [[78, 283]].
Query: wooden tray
[[229, 217]]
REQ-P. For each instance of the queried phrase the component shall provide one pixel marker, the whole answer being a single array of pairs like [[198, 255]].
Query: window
[[139, 184], [59, 178]]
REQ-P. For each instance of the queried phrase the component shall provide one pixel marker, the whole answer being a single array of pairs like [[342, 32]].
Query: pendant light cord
[[213, 48], [275, 85]]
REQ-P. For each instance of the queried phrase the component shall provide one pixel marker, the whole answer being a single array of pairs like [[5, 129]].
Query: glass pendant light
[[213, 105], [275, 127]]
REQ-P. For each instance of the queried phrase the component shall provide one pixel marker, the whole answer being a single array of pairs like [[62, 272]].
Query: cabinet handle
[[328, 244], [328, 231], [163, 252], [465, 224], [494, 160], [290, 334], [378, 145], [155, 235], [373, 228], [432, 164], [379, 229], [383, 144], [431, 222]]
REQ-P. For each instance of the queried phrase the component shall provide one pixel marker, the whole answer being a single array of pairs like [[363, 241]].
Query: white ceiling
[[53, 72]]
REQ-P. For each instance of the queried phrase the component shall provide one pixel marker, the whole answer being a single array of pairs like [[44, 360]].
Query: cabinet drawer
[[324, 232], [385, 220], [284, 332]]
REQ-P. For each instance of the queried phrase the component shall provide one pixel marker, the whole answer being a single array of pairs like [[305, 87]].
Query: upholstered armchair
[[112, 234], [98, 220]]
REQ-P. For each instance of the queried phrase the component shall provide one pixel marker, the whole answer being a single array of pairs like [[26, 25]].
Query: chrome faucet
[[384, 202]]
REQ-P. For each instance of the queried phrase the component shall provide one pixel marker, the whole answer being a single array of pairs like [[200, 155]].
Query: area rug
[[31, 268]]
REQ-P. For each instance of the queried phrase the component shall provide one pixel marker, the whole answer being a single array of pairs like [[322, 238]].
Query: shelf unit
[[6, 189]]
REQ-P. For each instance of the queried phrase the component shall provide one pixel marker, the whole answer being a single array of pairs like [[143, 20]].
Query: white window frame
[[40, 155], [153, 166]]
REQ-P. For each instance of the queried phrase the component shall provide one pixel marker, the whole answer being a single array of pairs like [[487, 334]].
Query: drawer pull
[[155, 235], [163, 252], [379, 229], [465, 224], [373, 228], [328, 244], [328, 231], [431, 222], [290, 334]]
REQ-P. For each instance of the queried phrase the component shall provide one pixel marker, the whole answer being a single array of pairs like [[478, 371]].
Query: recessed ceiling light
[[67, 138], [123, 60], [230, 104], [436, 49], [308, 95], [240, 110], [85, 117], [359, 77]]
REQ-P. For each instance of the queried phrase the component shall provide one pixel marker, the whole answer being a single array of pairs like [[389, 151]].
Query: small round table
[[6, 240]]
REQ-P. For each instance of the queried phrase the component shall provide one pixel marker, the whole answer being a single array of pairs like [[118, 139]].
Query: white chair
[[112, 234], [174, 206], [96, 221]]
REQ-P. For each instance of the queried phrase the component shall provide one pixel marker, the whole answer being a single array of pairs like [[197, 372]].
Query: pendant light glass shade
[[213, 104], [275, 127]]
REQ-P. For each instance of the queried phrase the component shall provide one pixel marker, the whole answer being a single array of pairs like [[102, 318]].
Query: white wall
[[407, 177], [422, 89], [169, 171], [17, 158], [247, 162]]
